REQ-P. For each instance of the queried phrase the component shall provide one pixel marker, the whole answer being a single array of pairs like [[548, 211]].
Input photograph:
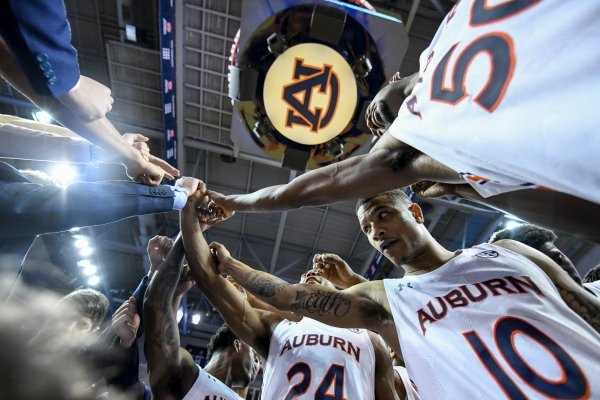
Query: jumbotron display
[[302, 76]]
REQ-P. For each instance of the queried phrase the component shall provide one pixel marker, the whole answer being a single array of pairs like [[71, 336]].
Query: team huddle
[[484, 118]]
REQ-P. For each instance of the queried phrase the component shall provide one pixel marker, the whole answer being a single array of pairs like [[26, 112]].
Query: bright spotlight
[[94, 280], [91, 270], [75, 229], [512, 224], [179, 315], [84, 263], [64, 174], [42, 116], [86, 251], [81, 243], [196, 319]]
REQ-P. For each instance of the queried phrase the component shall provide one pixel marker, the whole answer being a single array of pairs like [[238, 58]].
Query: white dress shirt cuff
[[181, 197]]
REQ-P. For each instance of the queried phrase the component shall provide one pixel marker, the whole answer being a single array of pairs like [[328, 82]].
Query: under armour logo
[[487, 254], [298, 95]]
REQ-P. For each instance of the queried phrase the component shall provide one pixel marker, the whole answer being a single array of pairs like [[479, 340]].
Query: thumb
[[138, 137]]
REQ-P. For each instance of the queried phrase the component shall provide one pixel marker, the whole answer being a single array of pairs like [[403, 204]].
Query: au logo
[[310, 93], [298, 95]]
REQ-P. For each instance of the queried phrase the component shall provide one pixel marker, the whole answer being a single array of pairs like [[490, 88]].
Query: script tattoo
[[322, 303], [263, 284]]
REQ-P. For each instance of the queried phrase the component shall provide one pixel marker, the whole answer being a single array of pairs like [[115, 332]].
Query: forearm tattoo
[[322, 303], [586, 308], [264, 285]]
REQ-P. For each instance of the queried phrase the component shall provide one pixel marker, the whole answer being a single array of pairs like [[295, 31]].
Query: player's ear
[[417, 213], [237, 345]]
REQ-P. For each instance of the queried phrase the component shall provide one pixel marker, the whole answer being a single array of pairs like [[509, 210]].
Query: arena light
[[75, 229], [94, 280], [64, 174], [86, 251], [84, 263], [196, 319], [91, 270], [81, 242], [42, 116], [179, 314]]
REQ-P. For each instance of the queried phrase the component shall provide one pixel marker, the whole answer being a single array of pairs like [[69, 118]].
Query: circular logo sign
[[310, 93]]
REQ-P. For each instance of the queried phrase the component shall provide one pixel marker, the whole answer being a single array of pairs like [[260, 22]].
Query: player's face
[[249, 360], [314, 276], [384, 107], [391, 228]]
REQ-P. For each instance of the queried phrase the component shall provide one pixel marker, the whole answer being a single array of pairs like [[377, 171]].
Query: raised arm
[[585, 304], [336, 270], [384, 372], [251, 325], [99, 131], [172, 371], [576, 216], [361, 306], [390, 164]]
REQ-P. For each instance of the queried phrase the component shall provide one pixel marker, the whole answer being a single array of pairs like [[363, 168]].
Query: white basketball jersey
[[309, 360], [593, 287], [489, 324], [409, 387], [508, 96], [207, 387]]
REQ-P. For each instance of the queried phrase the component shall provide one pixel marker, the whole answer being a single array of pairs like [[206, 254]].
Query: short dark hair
[[89, 303], [223, 338], [531, 235], [592, 275], [385, 112], [396, 195]]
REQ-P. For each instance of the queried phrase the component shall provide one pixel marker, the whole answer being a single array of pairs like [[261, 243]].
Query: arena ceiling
[[280, 243]]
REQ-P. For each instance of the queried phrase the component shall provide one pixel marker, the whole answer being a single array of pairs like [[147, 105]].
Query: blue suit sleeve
[[38, 34], [28, 209]]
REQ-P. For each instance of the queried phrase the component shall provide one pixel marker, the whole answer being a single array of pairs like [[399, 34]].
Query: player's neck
[[220, 366], [430, 258]]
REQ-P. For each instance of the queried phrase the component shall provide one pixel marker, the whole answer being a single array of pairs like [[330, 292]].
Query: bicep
[[349, 308], [575, 296], [249, 324]]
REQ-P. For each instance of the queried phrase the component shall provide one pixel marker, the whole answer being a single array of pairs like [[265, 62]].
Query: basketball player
[[486, 109], [491, 321], [338, 272], [305, 359], [173, 372]]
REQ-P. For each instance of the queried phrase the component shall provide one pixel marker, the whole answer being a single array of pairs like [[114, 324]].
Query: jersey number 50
[[497, 45]]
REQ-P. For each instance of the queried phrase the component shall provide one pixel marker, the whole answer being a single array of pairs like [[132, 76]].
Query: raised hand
[[220, 201], [126, 322], [189, 184], [222, 254], [333, 268], [186, 282], [90, 101], [429, 189], [158, 248], [139, 142], [209, 213]]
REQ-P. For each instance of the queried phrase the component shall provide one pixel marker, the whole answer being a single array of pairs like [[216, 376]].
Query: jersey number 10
[[572, 385]]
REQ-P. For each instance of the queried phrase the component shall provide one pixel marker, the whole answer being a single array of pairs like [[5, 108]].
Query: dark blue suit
[[29, 209], [38, 34]]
